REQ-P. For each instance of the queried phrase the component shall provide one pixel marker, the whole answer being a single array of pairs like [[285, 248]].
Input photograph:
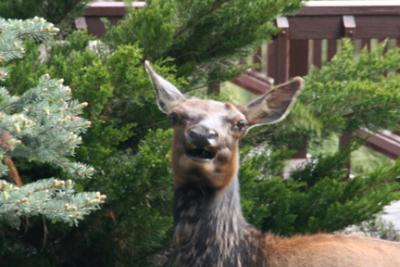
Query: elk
[[209, 226]]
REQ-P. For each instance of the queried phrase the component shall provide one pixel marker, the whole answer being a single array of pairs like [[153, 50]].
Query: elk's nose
[[201, 137]]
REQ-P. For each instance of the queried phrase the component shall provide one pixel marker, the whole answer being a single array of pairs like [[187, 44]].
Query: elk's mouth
[[200, 154]]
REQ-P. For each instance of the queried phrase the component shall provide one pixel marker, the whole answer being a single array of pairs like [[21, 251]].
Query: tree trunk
[[344, 141], [213, 81], [213, 87]]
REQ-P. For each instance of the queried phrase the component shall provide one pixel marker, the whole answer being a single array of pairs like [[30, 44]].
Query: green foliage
[[154, 28], [53, 11], [55, 199], [44, 125], [14, 32], [142, 197], [315, 198], [41, 125], [214, 29], [350, 93], [363, 159], [60, 12], [200, 35]]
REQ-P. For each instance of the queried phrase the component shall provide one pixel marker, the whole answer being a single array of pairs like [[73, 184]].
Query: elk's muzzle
[[201, 142]]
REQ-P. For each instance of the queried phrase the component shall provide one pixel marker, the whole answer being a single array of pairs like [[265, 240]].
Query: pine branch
[[195, 21], [13, 32]]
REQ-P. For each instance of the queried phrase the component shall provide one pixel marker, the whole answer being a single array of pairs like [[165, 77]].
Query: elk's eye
[[241, 124], [174, 118]]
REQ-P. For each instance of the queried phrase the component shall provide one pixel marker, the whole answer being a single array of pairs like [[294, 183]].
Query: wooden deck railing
[[308, 37]]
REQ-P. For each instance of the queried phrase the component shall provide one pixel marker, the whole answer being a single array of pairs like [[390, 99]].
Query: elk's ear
[[275, 105], [166, 93]]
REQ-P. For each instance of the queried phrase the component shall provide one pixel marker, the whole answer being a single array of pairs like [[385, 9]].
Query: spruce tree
[[131, 160], [53, 11], [61, 12], [41, 125]]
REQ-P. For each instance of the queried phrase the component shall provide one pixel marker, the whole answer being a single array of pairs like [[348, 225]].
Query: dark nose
[[201, 137]]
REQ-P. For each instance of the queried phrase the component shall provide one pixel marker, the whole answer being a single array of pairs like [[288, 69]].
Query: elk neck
[[210, 229]]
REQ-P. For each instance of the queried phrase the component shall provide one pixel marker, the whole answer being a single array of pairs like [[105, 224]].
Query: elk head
[[207, 132]]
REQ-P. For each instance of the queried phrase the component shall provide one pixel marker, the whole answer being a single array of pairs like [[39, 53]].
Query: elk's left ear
[[275, 105], [167, 94]]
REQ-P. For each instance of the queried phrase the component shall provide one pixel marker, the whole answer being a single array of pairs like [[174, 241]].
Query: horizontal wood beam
[[310, 8], [385, 142], [336, 8], [262, 77], [110, 8], [331, 27], [316, 27], [378, 27], [252, 84]]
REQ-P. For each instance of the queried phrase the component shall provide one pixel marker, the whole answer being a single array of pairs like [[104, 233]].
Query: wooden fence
[[308, 37]]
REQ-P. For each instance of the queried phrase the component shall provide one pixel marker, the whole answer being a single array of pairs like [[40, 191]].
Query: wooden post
[[272, 59], [257, 58], [213, 87], [283, 47], [366, 43], [331, 48], [298, 58], [112, 10], [302, 152], [349, 24], [317, 53]]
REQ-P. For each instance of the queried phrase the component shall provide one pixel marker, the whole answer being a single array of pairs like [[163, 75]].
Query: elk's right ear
[[166, 93], [275, 105]]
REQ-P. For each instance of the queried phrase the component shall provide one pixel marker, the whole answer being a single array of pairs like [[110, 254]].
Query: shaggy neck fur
[[210, 229]]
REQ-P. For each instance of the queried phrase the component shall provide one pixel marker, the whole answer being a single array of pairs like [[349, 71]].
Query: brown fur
[[219, 173], [324, 250]]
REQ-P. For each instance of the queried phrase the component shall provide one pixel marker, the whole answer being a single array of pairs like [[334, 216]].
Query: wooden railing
[[111, 10], [308, 37]]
